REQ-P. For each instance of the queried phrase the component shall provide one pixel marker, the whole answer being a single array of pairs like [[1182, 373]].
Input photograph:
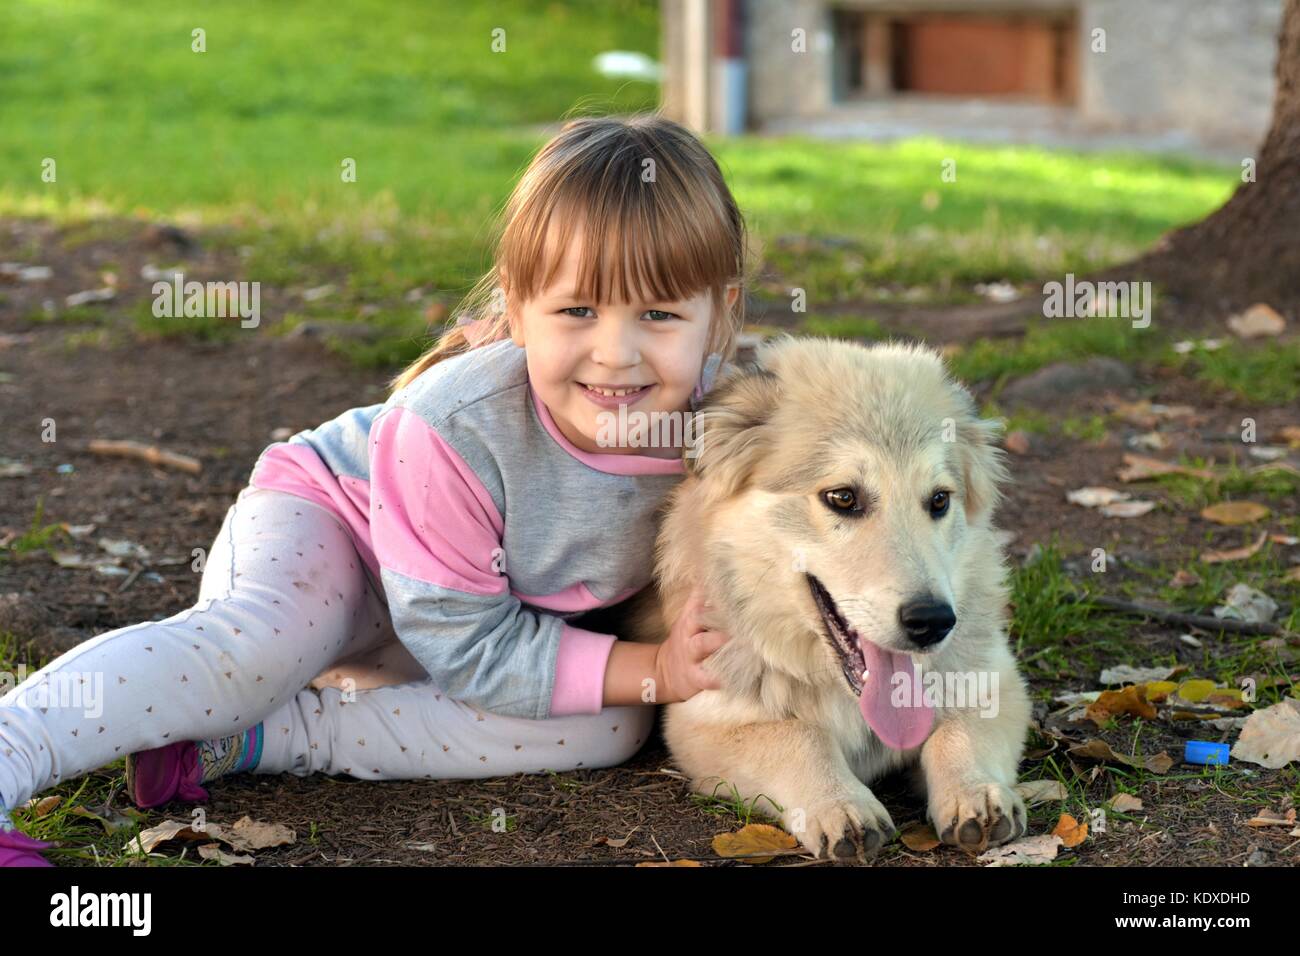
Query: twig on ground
[[150, 453]]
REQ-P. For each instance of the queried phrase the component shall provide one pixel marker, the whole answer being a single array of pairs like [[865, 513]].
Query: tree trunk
[[1249, 249]]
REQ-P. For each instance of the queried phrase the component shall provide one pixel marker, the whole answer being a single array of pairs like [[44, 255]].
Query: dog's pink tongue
[[899, 727]]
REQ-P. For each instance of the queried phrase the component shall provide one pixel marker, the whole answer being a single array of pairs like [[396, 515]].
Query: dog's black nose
[[927, 622]]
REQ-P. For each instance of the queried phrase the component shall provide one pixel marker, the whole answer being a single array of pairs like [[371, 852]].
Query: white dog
[[837, 515]]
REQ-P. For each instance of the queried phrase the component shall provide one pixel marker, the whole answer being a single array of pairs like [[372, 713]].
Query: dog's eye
[[841, 499], [939, 504]]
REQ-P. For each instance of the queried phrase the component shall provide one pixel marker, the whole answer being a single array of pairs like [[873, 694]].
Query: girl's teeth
[[612, 392]]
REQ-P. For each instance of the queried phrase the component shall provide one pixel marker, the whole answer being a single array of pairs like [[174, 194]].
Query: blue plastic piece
[[1203, 751]]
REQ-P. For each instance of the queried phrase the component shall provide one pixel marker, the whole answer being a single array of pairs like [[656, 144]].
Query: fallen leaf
[[1125, 803], [919, 837], [1139, 467], [1035, 792], [41, 806], [1244, 603], [109, 818], [1235, 512], [1259, 321], [1293, 574], [213, 851], [1235, 554], [1097, 749], [1025, 851], [1196, 690], [673, 863], [1126, 674], [258, 835], [753, 838], [1131, 700], [1158, 690], [1093, 496], [1143, 414], [1271, 736], [1126, 509], [1070, 830], [1271, 818], [164, 832], [617, 843], [1184, 579]]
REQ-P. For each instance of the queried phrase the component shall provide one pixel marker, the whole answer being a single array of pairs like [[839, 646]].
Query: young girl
[[396, 594]]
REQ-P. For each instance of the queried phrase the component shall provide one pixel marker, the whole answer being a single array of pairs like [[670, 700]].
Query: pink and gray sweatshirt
[[486, 527]]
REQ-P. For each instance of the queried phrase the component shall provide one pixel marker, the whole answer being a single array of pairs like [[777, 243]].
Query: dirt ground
[[221, 402]]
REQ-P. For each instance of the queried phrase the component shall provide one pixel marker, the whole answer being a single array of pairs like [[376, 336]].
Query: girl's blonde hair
[[660, 220]]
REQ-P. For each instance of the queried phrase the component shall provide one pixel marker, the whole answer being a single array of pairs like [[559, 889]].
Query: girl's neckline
[[607, 462]]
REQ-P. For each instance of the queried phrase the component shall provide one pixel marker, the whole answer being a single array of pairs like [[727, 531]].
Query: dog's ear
[[729, 436], [980, 457]]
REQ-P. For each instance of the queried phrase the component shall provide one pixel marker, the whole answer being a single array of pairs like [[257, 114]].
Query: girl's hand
[[679, 671]]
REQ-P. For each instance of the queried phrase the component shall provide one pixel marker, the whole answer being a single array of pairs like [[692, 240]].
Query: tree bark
[[1248, 250]]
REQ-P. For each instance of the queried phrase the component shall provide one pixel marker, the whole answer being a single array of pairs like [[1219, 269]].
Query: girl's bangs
[[646, 256]]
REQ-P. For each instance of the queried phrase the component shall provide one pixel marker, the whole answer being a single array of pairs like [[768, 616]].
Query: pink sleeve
[[433, 520], [580, 672]]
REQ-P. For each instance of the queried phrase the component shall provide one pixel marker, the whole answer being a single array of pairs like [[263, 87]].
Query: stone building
[[1194, 73]]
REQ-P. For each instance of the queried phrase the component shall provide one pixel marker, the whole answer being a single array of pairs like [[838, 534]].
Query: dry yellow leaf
[[1195, 691], [42, 806], [1138, 467], [1125, 803], [753, 838], [919, 837], [1158, 690], [1235, 512], [1131, 700], [1097, 749], [673, 863], [1235, 554], [1070, 830], [1226, 697]]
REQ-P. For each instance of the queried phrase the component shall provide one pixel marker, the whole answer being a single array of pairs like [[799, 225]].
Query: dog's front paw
[[978, 817], [847, 827]]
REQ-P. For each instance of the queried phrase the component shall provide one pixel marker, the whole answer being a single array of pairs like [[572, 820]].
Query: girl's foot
[[176, 771], [17, 848]]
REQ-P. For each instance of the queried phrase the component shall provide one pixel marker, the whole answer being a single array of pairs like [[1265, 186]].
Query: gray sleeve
[[486, 650]]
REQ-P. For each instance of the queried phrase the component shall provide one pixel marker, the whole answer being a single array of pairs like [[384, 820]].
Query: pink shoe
[[154, 777], [18, 849]]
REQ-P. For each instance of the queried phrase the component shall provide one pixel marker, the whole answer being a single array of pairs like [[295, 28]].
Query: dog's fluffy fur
[[750, 523]]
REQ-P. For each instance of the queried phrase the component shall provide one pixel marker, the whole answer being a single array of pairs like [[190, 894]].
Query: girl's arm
[[668, 672], [437, 536]]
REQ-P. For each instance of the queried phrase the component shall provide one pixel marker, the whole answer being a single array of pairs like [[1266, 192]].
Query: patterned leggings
[[288, 631]]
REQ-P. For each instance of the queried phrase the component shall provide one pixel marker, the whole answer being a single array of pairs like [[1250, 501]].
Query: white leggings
[[284, 603]]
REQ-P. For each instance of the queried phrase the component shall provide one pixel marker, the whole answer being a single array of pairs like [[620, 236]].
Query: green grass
[[1230, 482], [39, 536], [1266, 372], [248, 138], [1056, 626]]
